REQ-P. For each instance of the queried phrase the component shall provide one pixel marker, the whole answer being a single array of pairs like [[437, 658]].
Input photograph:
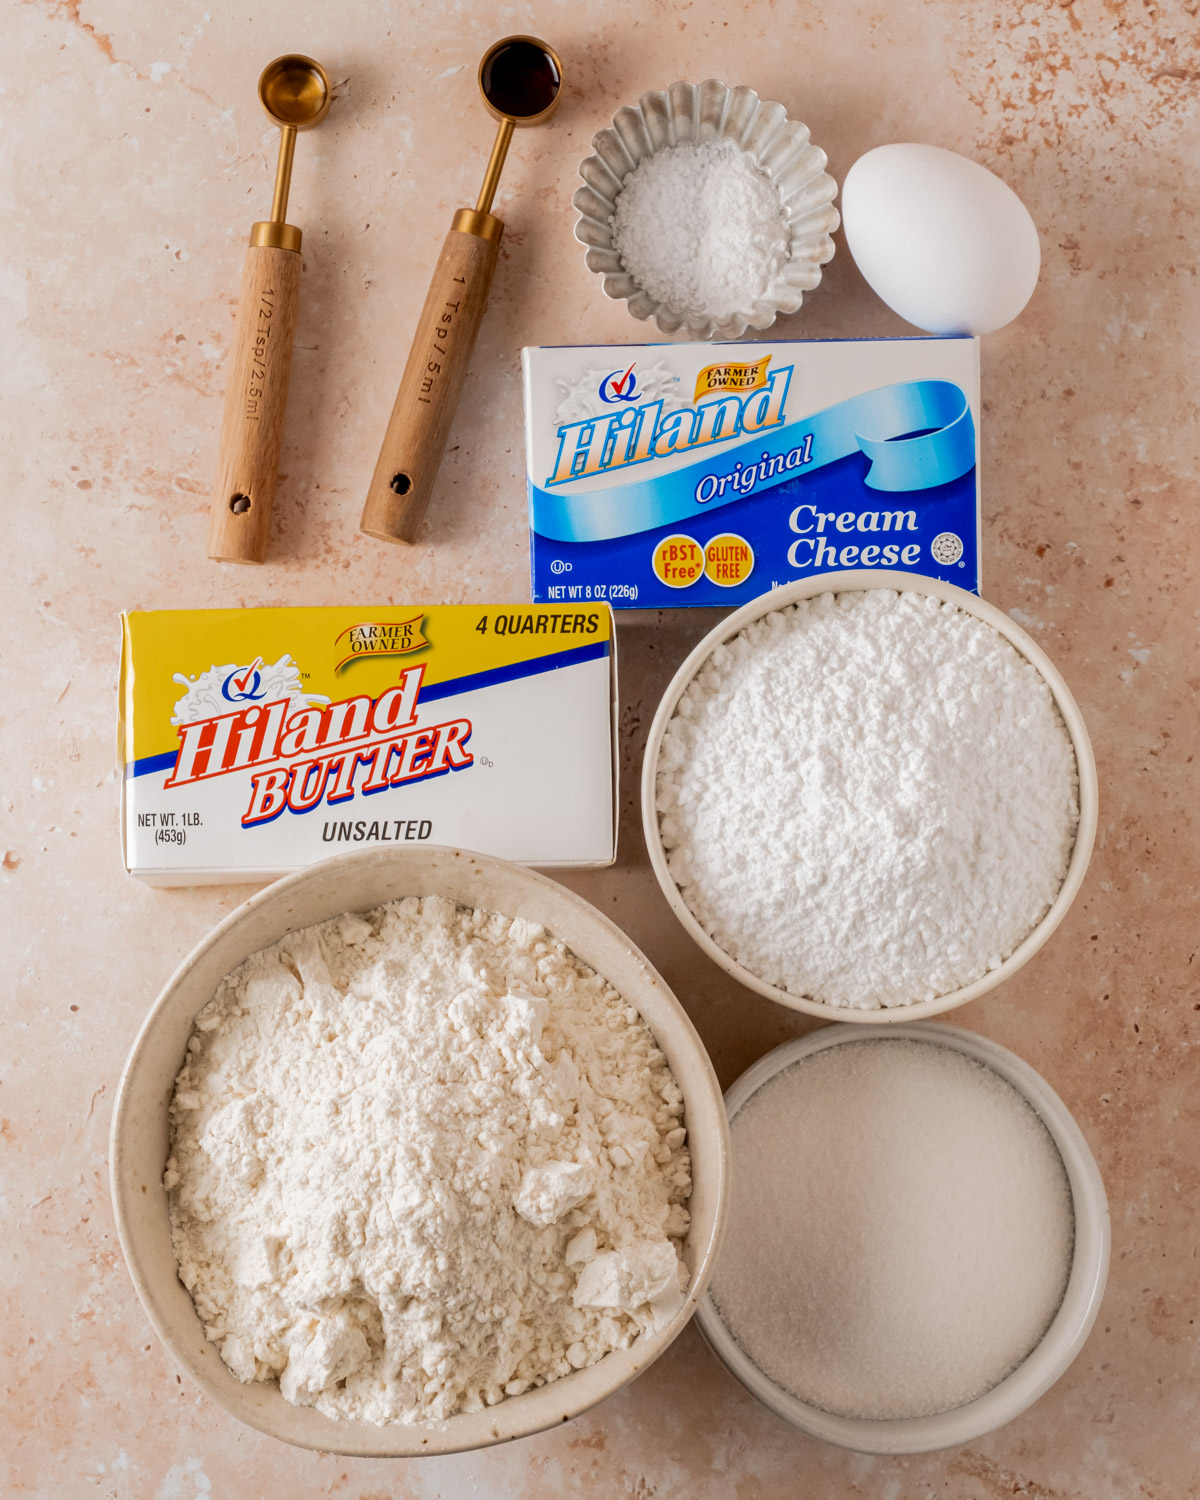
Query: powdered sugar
[[869, 798], [701, 228], [422, 1159]]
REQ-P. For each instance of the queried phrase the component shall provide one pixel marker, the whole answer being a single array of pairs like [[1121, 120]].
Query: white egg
[[942, 240]]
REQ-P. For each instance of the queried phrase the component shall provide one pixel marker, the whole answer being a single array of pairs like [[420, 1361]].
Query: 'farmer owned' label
[[659, 476], [256, 741]]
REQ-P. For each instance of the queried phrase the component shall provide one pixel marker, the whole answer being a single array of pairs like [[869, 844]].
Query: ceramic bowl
[[700, 112], [849, 582], [1070, 1326], [358, 881]]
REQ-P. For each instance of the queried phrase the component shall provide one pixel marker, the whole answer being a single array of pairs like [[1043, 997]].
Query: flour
[[701, 228], [422, 1159], [868, 798]]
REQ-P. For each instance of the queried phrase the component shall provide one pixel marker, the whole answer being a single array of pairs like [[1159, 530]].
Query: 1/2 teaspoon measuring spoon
[[295, 93]]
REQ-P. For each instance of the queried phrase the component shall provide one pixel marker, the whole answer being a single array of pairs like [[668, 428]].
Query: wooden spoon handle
[[433, 378], [255, 405]]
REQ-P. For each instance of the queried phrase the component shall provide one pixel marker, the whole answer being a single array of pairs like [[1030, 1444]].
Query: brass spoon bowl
[[295, 93]]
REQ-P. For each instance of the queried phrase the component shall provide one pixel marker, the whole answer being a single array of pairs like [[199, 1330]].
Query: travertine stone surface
[[136, 160]]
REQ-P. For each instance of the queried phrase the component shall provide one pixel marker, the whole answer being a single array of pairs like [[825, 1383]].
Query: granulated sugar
[[900, 1231], [701, 228], [868, 798]]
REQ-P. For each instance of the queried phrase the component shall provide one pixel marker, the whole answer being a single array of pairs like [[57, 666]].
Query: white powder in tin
[[869, 798], [900, 1230], [701, 228], [422, 1159]]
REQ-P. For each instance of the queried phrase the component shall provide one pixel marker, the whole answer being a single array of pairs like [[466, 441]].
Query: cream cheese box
[[668, 475]]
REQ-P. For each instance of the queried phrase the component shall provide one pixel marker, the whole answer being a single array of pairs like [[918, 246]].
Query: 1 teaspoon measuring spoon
[[520, 79], [295, 93]]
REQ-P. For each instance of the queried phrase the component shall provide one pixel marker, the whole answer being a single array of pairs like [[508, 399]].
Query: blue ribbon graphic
[[877, 424]]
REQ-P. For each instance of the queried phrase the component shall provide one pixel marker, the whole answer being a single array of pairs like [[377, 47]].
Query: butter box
[[662, 475], [256, 741]]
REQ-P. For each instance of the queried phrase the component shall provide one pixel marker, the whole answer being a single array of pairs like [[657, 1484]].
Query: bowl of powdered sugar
[[707, 209], [869, 796], [416, 1153]]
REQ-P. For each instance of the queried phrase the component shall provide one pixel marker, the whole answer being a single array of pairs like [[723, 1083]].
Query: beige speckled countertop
[[135, 161]]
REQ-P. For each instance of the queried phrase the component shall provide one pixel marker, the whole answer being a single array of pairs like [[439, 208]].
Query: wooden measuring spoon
[[295, 93], [520, 79]]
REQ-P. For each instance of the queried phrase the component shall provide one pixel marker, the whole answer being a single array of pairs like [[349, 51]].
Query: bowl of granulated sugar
[[705, 208], [918, 1237], [869, 796]]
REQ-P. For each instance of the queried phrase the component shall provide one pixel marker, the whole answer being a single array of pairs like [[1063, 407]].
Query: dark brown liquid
[[521, 80]]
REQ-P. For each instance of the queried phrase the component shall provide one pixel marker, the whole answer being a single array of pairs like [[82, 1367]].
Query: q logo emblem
[[243, 683], [619, 386]]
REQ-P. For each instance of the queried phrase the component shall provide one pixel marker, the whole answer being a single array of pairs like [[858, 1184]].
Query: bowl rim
[[466, 1431], [734, 327], [855, 581], [1071, 1324]]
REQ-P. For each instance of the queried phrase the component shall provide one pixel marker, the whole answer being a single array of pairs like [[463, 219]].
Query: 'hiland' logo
[[634, 435], [307, 756]]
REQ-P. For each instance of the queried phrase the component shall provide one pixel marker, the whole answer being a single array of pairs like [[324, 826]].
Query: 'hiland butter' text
[[362, 745]]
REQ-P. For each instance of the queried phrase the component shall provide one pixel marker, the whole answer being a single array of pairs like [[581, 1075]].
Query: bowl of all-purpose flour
[[707, 209], [416, 1153], [869, 795]]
